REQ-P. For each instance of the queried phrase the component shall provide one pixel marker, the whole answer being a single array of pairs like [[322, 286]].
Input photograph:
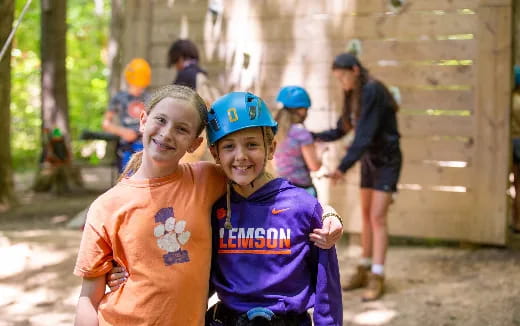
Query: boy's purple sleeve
[[328, 305]]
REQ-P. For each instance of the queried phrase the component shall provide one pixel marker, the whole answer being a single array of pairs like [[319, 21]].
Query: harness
[[221, 315]]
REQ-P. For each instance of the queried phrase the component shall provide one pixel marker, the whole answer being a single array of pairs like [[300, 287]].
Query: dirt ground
[[437, 285]]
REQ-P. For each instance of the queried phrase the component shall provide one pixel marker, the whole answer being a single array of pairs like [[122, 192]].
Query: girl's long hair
[[352, 98], [176, 92], [285, 118]]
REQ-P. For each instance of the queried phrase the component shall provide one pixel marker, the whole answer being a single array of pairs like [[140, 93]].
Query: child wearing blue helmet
[[264, 267], [296, 154]]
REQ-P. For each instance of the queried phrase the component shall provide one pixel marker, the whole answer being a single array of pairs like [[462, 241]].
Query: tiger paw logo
[[171, 236]]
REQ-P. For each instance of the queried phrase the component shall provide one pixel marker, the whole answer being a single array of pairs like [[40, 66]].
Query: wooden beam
[[491, 125], [425, 126]]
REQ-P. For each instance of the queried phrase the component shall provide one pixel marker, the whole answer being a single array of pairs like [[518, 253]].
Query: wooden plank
[[412, 25], [363, 7], [426, 75], [372, 50], [426, 214], [432, 214], [446, 226], [344, 27], [436, 202], [136, 40], [375, 50], [165, 32], [408, 75], [427, 149], [413, 98], [427, 175], [170, 11], [427, 126], [492, 124]]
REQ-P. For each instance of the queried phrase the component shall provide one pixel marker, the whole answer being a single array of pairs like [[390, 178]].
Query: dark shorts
[[381, 172], [516, 150]]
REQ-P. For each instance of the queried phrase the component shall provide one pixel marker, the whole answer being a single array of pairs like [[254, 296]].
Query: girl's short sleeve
[[301, 134], [212, 179], [95, 253]]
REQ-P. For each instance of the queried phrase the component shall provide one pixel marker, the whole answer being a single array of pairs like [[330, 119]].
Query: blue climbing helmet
[[294, 97], [236, 111]]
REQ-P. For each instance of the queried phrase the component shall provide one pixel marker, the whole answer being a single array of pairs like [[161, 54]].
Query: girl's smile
[[169, 131], [162, 146], [243, 156]]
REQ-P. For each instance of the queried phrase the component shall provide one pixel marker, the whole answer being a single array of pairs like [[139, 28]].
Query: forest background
[[87, 77]]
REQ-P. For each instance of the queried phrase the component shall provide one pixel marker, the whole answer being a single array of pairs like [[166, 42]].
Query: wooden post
[[137, 36], [493, 93]]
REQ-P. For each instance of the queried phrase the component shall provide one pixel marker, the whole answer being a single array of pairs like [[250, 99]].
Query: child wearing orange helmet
[[122, 116]]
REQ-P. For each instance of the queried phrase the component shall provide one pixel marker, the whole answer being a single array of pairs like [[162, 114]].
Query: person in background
[[296, 153], [370, 110], [122, 116], [515, 134], [183, 56]]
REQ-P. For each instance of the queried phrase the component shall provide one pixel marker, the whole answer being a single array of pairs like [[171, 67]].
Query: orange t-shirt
[[160, 231]]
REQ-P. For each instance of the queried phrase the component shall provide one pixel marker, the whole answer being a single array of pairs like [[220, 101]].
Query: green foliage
[[87, 39]]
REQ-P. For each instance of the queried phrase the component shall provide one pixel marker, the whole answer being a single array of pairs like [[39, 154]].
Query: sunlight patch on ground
[[9, 294], [27, 257], [374, 317], [55, 319], [28, 300], [14, 259]]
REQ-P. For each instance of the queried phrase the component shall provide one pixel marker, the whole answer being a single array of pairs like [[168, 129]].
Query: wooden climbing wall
[[449, 60]]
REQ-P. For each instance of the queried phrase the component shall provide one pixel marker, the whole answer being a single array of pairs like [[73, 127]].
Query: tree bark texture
[[56, 171], [6, 170], [114, 46]]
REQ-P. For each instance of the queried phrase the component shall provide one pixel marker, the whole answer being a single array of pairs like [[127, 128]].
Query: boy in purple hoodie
[[264, 268]]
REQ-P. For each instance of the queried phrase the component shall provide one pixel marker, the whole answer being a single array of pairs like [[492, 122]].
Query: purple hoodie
[[267, 260]]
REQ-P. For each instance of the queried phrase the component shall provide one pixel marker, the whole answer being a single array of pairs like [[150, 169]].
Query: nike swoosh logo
[[278, 211]]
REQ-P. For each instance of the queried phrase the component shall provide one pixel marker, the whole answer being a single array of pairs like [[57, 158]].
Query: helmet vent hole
[[252, 112], [214, 124]]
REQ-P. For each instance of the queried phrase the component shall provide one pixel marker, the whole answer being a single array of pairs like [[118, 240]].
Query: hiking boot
[[357, 280], [375, 287]]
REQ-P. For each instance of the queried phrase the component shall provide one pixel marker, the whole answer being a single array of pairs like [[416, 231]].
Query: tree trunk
[[6, 172], [114, 47], [56, 171]]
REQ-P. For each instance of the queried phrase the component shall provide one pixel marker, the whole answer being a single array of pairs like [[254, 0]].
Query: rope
[[11, 35]]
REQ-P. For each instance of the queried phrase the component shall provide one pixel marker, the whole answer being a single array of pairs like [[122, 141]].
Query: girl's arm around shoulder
[[209, 170], [330, 231], [92, 291], [211, 179], [328, 306]]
